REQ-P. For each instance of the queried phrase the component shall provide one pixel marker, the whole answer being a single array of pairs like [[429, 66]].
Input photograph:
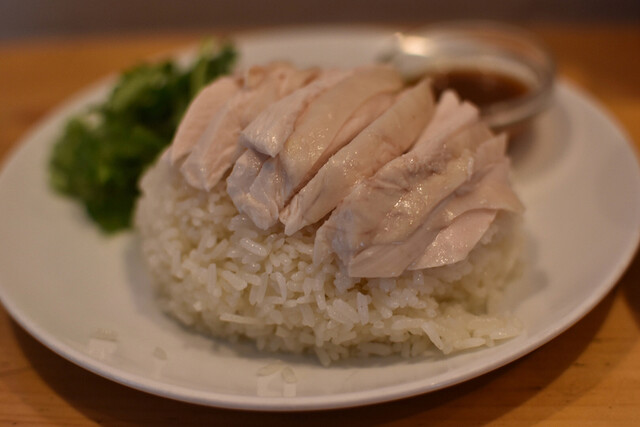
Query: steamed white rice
[[219, 274]]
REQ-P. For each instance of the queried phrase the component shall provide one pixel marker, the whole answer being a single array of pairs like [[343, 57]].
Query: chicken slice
[[199, 114], [269, 192], [473, 215], [360, 223], [454, 242], [389, 220], [462, 154], [451, 117], [317, 134], [487, 191], [491, 191], [387, 137], [217, 148], [269, 131], [329, 122], [355, 222], [244, 172], [264, 198]]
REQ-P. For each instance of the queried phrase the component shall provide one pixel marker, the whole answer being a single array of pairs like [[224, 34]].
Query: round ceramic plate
[[88, 298]]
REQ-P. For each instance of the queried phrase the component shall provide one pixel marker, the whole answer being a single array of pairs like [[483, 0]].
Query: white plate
[[62, 280]]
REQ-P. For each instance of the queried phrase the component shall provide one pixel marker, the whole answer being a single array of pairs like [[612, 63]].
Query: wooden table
[[588, 375]]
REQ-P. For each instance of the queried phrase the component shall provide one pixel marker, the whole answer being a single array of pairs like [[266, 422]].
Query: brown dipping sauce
[[483, 88]]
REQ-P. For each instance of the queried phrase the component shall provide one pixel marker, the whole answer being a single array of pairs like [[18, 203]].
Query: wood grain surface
[[589, 375]]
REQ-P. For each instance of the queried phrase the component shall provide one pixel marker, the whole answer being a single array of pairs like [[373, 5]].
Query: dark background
[[36, 18]]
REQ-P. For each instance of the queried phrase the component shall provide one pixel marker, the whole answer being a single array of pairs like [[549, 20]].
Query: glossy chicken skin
[[356, 220], [217, 147], [330, 121], [386, 224], [204, 107], [486, 190], [269, 131], [384, 139]]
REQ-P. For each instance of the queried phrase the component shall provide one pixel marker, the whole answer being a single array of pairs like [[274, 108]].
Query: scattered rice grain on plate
[[269, 369], [105, 334], [159, 353], [288, 375]]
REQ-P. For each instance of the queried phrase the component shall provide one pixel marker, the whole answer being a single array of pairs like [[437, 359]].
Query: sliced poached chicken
[[217, 147], [329, 122], [273, 126], [388, 222], [384, 139], [488, 191], [355, 222], [405, 185], [202, 109]]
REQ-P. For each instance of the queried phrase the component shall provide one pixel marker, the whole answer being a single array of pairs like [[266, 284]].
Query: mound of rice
[[218, 273]]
